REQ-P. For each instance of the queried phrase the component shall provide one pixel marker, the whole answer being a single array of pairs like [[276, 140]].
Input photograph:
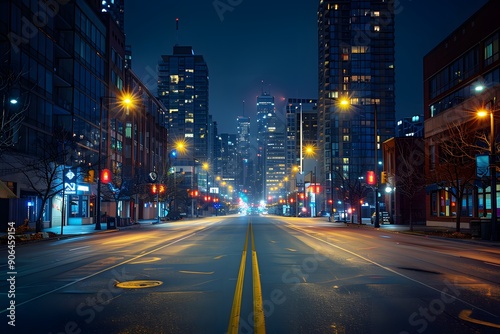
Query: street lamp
[[126, 101], [375, 167], [493, 186]]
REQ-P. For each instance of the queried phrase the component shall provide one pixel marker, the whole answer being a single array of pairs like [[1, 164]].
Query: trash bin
[[475, 228], [111, 223], [485, 230]]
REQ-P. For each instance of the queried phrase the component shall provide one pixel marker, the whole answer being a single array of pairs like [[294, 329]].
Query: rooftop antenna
[[243, 107], [177, 31]]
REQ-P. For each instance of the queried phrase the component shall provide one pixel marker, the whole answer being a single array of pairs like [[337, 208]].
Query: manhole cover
[[140, 284]]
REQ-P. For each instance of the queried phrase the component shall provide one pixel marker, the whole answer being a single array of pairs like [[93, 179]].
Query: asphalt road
[[251, 275]]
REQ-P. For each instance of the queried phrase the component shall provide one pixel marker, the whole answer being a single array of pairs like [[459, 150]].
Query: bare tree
[[44, 172], [456, 170], [173, 192], [13, 108], [120, 188], [352, 191], [409, 178]]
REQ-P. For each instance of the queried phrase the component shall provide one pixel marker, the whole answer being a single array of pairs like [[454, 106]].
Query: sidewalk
[[90, 228], [433, 232]]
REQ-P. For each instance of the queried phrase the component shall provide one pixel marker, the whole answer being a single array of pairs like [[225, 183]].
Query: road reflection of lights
[[196, 272], [146, 260], [139, 284]]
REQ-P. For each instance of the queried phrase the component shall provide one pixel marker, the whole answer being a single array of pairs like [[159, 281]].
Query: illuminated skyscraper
[[356, 60], [245, 163], [116, 8], [183, 89]]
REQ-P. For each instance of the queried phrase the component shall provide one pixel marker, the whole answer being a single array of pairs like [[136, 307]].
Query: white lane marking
[[391, 270], [78, 248], [106, 269]]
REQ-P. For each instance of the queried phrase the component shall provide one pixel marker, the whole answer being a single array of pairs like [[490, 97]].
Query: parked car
[[323, 213], [253, 212], [303, 214], [383, 218]]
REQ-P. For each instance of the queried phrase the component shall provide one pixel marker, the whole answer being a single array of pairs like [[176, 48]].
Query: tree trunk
[[411, 217], [39, 224], [459, 214]]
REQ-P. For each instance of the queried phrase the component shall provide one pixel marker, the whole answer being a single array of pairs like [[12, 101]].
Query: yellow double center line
[[258, 310]]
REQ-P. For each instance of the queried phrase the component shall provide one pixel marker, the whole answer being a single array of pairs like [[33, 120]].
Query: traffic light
[[105, 176], [173, 154], [383, 177], [371, 179], [89, 177]]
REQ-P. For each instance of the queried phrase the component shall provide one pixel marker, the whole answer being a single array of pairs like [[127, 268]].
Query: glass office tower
[[356, 61], [183, 89]]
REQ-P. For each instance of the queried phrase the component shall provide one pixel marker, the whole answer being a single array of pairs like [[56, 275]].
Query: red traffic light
[[371, 178], [105, 175]]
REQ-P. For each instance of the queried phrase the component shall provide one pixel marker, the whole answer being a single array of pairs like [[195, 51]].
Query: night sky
[[272, 45]]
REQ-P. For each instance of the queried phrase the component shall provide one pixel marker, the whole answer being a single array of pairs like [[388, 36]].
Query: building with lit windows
[[301, 132], [265, 112], [275, 164], [356, 61], [245, 163], [68, 78], [116, 9], [183, 89], [455, 71], [410, 126], [229, 159], [300, 111]]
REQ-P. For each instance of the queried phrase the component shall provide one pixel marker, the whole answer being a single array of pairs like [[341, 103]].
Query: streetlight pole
[[331, 181], [493, 172], [99, 168], [341, 102], [492, 165], [126, 100], [375, 167]]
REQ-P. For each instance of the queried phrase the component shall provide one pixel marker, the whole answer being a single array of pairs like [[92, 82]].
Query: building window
[[128, 130], [174, 79], [432, 157], [434, 206], [491, 49]]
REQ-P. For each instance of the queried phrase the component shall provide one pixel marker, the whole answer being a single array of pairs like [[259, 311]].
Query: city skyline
[[245, 57]]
